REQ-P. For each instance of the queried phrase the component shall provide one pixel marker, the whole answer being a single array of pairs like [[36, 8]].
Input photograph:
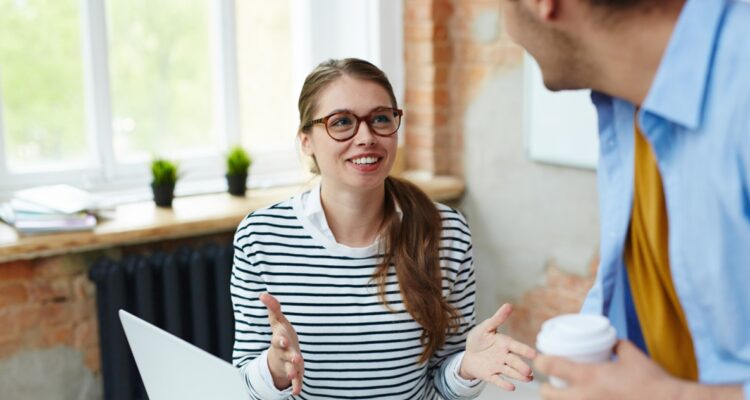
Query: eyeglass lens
[[343, 125]]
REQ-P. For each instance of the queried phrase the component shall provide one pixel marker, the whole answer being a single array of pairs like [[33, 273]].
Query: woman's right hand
[[284, 356]]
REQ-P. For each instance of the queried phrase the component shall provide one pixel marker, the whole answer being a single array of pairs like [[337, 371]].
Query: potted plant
[[164, 174], [238, 163]]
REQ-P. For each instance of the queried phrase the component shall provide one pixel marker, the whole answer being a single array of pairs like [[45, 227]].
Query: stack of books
[[48, 209]]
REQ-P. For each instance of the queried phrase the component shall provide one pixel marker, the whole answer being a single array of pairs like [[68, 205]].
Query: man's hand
[[284, 356], [490, 355], [631, 376]]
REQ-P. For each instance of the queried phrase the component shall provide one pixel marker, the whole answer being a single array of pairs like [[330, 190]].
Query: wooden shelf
[[189, 216]]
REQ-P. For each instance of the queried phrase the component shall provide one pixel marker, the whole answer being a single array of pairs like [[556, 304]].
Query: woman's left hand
[[490, 355]]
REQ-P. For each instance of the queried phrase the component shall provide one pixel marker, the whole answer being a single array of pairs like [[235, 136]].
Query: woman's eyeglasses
[[343, 125]]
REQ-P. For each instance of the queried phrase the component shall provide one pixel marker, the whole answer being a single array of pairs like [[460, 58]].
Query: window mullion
[[98, 98], [226, 82]]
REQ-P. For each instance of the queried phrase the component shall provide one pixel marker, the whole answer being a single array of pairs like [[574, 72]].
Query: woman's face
[[364, 161]]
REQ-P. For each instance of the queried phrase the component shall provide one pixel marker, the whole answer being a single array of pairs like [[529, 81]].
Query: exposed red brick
[[13, 293], [419, 140], [562, 293], [61, 335], [82, 287], [59, 266], [86, 335], [444, 71], [51, 289], [418, 10], [92, 358], [16, 271], [10, 346]]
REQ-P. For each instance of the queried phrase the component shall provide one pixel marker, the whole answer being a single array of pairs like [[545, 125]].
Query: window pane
[[41, 78], [268, 110], [161, 78]]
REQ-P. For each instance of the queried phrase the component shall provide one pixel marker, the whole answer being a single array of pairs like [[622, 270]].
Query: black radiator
[[185, 292]]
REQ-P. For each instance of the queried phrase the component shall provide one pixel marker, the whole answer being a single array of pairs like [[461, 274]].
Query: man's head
[[563, 36]]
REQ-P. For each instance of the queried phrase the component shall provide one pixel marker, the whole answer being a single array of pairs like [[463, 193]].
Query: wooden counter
[[189, 216]]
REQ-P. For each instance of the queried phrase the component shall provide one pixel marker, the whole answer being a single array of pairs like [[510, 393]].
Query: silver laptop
[[172, 368]]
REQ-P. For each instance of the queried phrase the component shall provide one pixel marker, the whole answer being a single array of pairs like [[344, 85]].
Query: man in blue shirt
[[671, 83]]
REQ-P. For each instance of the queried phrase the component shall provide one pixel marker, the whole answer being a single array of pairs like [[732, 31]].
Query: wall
[[49, 346], [49, 340], [534, 226]]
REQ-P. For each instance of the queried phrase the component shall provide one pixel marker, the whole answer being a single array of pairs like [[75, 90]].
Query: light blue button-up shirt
[[697, 118]]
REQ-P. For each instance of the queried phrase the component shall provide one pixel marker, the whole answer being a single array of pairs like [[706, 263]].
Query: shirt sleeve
[[462, 294], [252, 332]]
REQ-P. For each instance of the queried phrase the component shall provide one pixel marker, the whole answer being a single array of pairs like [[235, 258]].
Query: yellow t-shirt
[[659, 310]]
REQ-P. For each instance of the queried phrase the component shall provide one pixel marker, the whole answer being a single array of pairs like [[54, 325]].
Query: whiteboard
[[559, 127]]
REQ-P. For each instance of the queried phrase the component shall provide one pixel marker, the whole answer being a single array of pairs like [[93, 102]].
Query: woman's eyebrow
[[339, 110], [376, 108]]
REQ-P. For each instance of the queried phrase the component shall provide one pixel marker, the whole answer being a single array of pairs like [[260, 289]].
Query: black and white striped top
[[353, 347]]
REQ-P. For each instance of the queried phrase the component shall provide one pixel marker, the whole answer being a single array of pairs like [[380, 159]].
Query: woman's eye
[[381, 119], [341, 121]]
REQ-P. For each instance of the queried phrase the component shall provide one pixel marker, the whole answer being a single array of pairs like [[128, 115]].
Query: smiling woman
[[377, 281]]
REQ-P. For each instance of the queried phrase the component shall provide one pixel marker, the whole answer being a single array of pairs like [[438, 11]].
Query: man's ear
[[305, 143], [546, 10]]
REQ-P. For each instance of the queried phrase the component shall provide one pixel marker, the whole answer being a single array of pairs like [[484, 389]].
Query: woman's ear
[[305, 143]]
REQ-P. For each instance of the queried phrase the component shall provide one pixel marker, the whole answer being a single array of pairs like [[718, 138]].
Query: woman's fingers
[[515, 363], [501, 383], [285, 340], [491, 324], [295, 372], [514, 374], [275, 316], [296, 386], [522, 349]]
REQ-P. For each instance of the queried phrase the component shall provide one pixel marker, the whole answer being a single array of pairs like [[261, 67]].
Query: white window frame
[[379, 39], [376, 35]]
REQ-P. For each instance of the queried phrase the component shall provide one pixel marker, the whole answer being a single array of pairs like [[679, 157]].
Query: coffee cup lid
[[573, 334]]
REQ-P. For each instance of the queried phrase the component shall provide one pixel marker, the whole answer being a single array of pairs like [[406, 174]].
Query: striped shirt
[[353, 346]]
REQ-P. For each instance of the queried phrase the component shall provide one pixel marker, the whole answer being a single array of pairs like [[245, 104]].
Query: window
[[267, 94], [42, 102], [161, 79], [91, 90]]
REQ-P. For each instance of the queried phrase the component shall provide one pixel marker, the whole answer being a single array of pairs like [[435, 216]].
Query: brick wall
[[452, 48], [446, 62], [49, 304], [45, 303], [561, 293]]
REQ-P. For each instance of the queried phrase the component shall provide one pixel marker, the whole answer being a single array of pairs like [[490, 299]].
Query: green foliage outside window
[[41, 81]]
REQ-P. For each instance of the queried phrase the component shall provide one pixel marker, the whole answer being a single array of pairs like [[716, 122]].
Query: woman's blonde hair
[[411, 242]]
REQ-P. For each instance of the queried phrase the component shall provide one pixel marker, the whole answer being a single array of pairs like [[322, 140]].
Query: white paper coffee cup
[[577, 337]]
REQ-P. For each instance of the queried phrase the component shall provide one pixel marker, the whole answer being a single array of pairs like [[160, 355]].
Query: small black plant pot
[[163, 194], [237, 184]]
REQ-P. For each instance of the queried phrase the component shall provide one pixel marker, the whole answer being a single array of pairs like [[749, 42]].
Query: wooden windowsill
[[189, 216]]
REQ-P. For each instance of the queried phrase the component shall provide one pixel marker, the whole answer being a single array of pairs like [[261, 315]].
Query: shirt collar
[[312, 208], [679, 87]]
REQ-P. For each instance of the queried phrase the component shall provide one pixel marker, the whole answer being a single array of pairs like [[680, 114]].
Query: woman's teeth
[[365, 160]]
